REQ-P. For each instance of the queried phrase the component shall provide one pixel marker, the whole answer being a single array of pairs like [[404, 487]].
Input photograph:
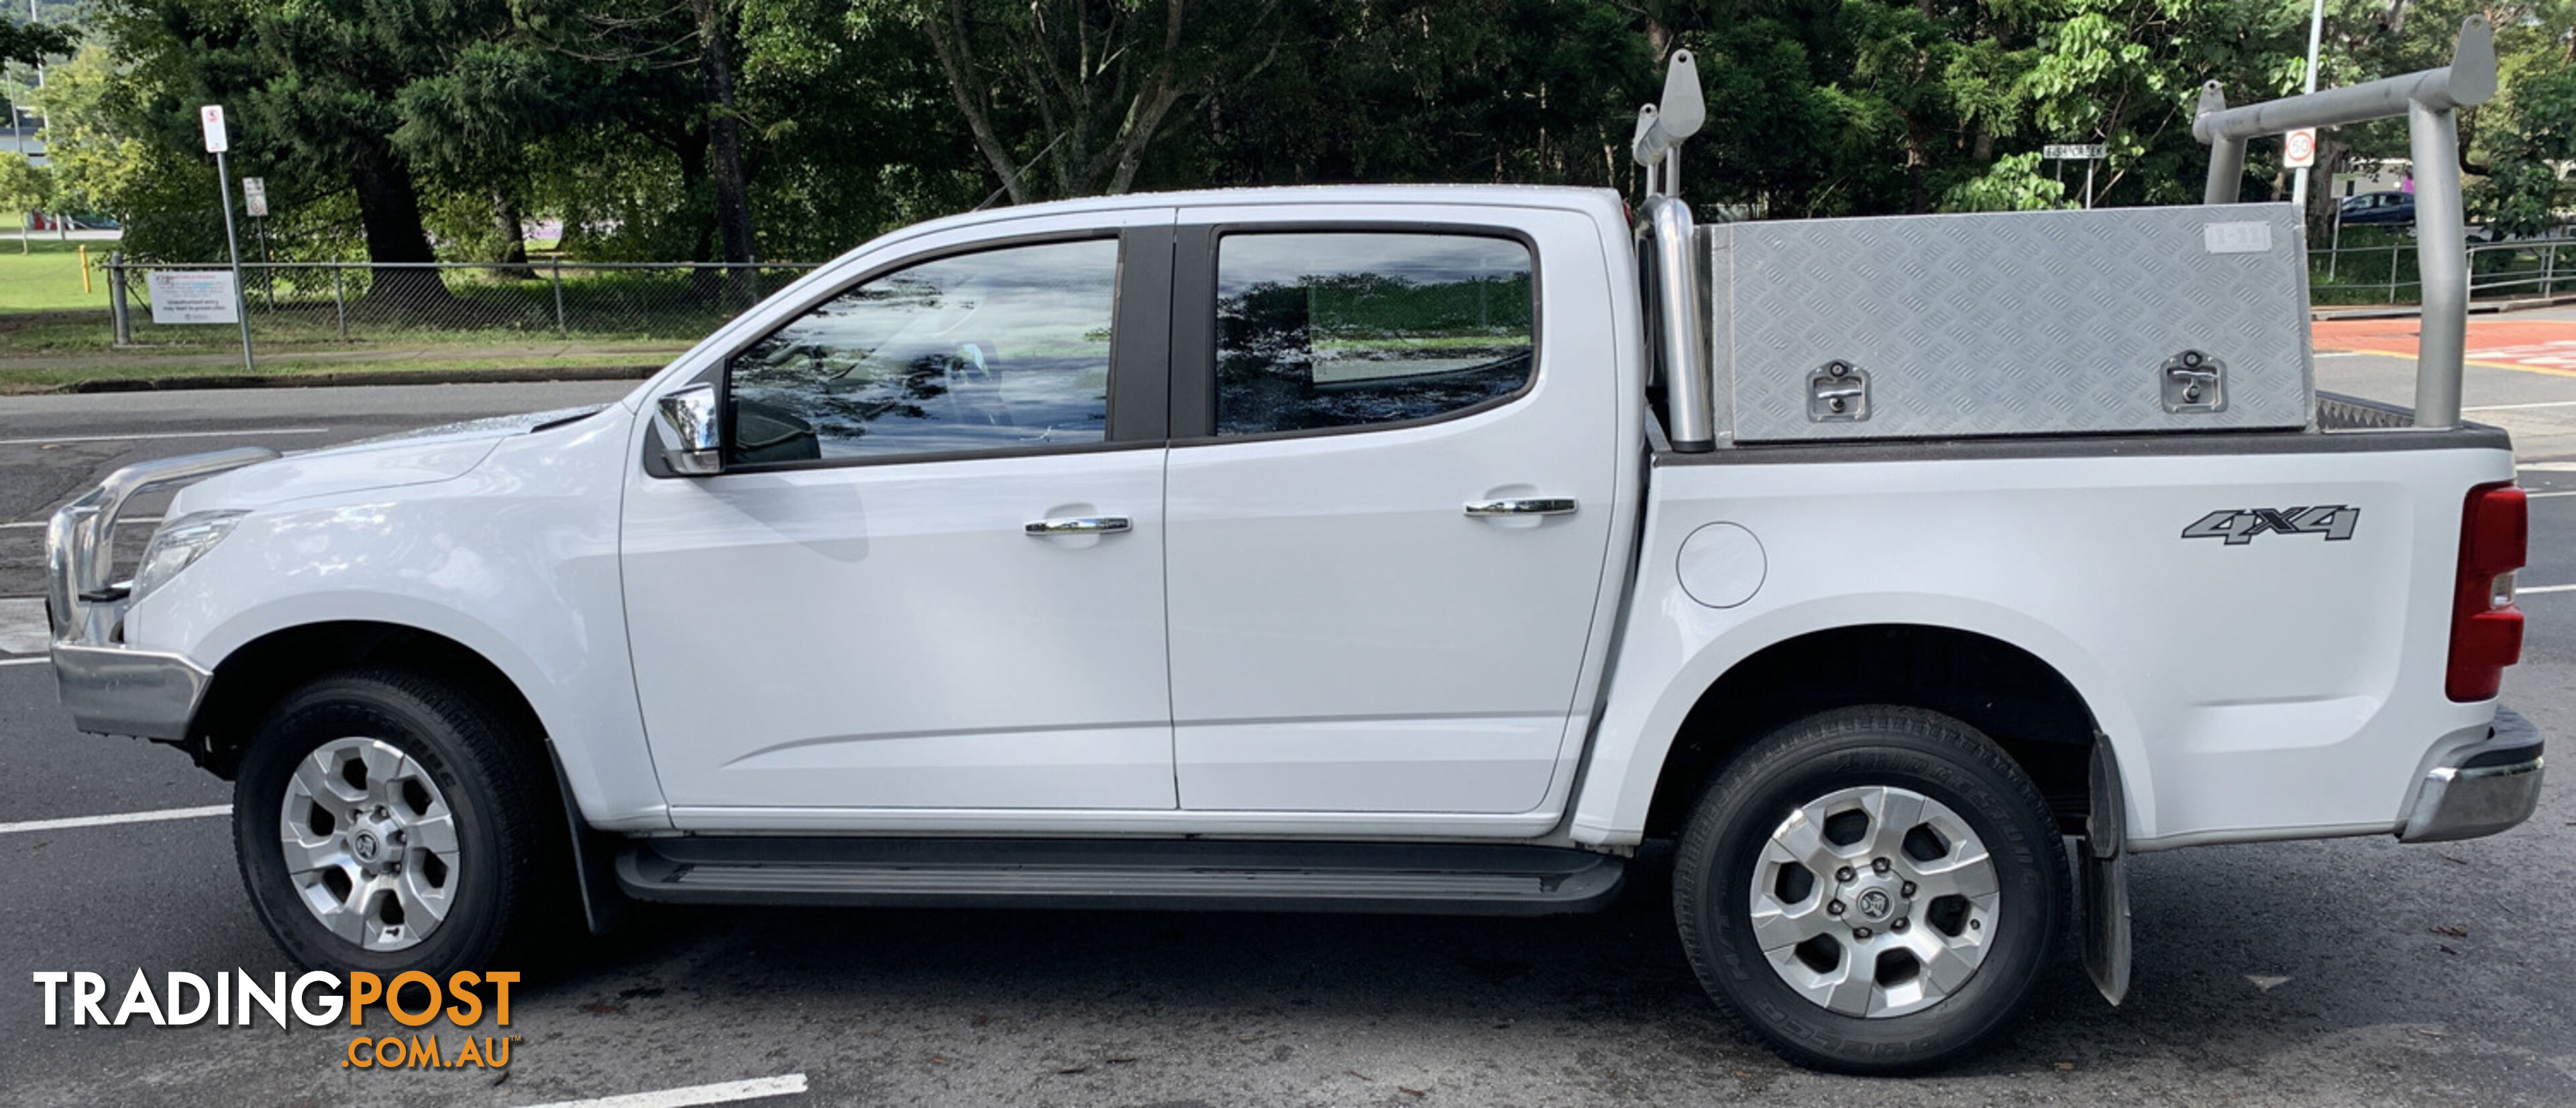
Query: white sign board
[[255, 196], [2299, 148], [192, 296], [212, 118], [2075, 152]]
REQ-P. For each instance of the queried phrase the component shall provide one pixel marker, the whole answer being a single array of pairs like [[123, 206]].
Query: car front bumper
[[109, 687], [115, 690], [2481, 788]]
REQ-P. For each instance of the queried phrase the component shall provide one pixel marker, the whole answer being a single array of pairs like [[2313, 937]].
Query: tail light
[[2486, 629]]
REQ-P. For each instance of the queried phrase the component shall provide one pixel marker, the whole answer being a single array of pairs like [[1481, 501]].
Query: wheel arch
[[251, 677], [2006, 690]]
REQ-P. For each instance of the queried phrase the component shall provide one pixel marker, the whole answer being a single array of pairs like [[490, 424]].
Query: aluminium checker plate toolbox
[[2015, 323]]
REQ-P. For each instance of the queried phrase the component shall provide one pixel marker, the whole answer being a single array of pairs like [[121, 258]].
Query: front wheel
[[1873, 890], [387, 822]]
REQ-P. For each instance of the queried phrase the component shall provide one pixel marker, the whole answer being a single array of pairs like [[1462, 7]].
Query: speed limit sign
[[2299, 148]]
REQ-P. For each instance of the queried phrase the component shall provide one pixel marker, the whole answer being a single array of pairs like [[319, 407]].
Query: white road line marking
[[24, 661], [2548, 467], [2542, 495], [167, 435], [2521, 591], [136, 817], [127, 521], [722, 1093], [2518, 407], [2340, 354]]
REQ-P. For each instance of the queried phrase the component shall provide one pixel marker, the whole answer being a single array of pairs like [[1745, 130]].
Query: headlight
[[178, 544]]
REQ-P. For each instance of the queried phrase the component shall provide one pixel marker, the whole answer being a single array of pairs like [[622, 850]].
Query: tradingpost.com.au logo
[[316, 999]]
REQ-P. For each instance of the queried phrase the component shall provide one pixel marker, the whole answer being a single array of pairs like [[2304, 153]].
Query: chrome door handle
[[1081, 525], [1523, 506]]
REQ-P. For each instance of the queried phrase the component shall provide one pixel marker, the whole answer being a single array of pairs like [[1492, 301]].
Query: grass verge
[[48, 276]]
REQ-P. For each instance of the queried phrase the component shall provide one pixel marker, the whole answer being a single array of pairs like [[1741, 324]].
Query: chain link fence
[[448, 304], [461, 306]]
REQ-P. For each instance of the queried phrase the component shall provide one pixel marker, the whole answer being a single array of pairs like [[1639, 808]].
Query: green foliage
[[23, 187], [2013, 184], [28, 43], [2524, 188], [394, 127]]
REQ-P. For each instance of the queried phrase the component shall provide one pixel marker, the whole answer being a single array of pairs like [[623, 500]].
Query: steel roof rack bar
[[2430, 100]]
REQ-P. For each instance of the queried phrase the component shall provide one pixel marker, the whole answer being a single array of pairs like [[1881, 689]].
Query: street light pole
[[53, 165], [2316, 31]]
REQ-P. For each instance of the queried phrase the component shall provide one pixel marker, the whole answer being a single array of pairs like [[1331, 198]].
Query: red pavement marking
[[2534, 345]]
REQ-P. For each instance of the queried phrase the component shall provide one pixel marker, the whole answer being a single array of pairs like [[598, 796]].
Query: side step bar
[[1184, 874]]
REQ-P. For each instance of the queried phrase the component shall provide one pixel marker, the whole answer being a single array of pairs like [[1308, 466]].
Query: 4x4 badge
[[2239, 525]]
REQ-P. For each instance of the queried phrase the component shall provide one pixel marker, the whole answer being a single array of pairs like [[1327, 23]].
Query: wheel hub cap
[[1874, 901], [369, 843]]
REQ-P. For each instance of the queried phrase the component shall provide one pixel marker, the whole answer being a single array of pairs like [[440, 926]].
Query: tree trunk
[[389, 208], [2321, 197], [514, 238], [1918, 171], [957, 62], [724, 149]]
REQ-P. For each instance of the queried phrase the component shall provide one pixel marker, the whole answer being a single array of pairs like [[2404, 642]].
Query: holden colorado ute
[[1385, 549]]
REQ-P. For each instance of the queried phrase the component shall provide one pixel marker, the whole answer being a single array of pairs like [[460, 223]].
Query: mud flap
[[2102, 865], [593, 852]]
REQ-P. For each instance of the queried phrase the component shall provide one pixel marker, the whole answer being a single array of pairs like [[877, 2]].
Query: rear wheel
[[1872, 889], [385, 821]]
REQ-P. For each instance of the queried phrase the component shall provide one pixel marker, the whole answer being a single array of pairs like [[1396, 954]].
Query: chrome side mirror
[[692, 439]]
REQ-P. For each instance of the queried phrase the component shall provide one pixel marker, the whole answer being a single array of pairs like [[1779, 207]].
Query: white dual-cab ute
[[1386, 549]]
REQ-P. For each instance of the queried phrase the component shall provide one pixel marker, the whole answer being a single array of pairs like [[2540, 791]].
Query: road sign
[[2299, 148], [255, 197], [192, 296], [211, 117], [2075, 152]]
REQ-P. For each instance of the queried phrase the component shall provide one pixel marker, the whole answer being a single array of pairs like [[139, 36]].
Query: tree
[[2537, 136], [30, 43], [23, 188], [313, 90], [717, 28], [1066, 99], [666, 73]]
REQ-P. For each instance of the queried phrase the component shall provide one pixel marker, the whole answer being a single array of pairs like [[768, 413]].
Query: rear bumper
[[2481, 788], [114, 690]]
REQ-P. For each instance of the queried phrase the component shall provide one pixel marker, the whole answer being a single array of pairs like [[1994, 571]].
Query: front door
[[1388, 525], [931, 573]]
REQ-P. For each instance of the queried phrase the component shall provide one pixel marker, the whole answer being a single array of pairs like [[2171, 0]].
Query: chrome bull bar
[[83, 604]]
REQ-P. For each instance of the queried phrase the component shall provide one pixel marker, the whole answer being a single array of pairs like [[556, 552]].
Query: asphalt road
[[2345, 972]]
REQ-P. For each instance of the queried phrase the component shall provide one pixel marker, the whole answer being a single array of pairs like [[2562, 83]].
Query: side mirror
[[692, 439]]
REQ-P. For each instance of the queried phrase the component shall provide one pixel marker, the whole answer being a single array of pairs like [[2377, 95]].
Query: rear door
[[1389, 502]]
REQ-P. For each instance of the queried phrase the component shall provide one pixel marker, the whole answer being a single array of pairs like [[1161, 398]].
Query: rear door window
[[1326, 330]]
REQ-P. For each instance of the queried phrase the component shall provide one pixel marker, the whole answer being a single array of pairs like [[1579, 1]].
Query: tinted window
[[1006, 348], [1346, 329]]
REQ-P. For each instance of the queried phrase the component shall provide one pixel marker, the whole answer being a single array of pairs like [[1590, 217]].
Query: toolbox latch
[[2193, 382], [1838, 392]]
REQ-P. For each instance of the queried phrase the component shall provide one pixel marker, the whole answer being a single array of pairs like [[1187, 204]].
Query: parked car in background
[[2391, 207]]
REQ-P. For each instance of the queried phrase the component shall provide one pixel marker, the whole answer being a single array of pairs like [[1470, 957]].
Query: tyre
[[1873, 890], [386, 821]]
